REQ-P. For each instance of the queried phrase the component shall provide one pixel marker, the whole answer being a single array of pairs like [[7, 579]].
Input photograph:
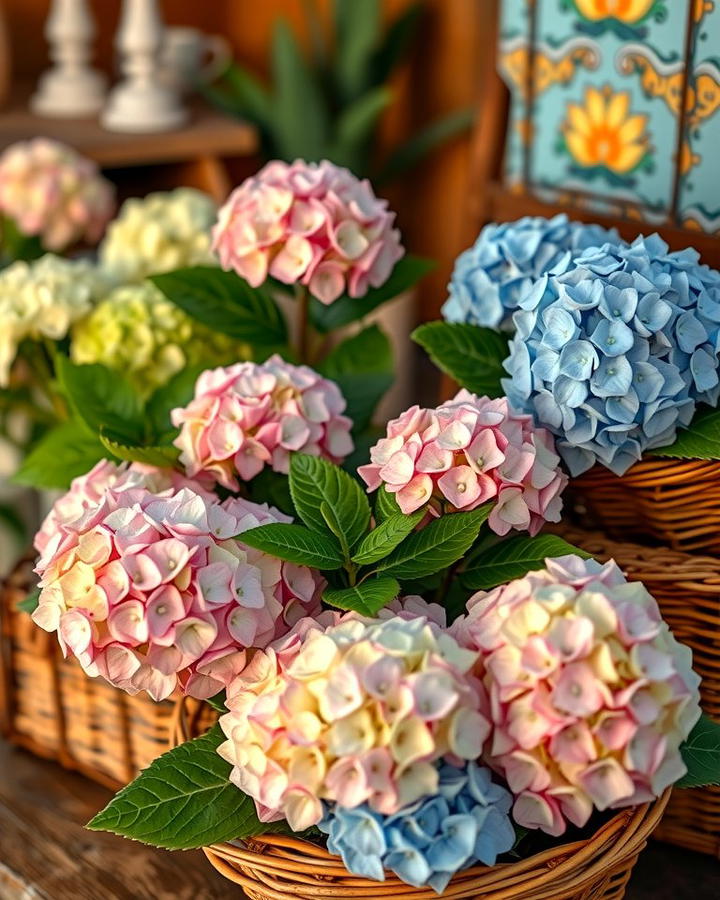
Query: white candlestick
[[141, 102], [71, 87]]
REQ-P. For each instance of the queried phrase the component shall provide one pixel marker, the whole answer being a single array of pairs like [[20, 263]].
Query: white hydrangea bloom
[[42, 299], [159, 233]]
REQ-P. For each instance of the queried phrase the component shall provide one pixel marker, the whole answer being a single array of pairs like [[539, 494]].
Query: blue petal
[[560, 327], [568, 392], [409, 865], [578, 359], [612, 378], [690, 332], [652, 314], [613, 338], [647, 381], [619, 304], [704, 368], [454, 847], [547, 364], [623, 409]]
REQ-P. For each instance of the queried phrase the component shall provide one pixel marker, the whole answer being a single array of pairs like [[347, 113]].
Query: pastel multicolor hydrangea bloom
[[426, 843], [153, 591], [50, 191], [87, 491], [159, 233], [42, 299], [590, 694], [356, 712], [469, 451], [314, 224], [490, 278], [136, 330], [613, 354], [248, 416]]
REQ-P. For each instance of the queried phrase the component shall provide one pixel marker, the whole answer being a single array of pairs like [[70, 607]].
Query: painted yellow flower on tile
[[628, 11], [601, 132]]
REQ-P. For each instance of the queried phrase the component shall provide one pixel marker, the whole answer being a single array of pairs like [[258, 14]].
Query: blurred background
[[434, 75]]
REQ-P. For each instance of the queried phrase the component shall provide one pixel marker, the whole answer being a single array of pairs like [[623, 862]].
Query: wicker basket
[[687, 589], [285, 868], [673, 501], [49, 706]]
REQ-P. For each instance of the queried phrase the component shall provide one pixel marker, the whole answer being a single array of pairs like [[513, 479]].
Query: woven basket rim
[[277, 866], [679, 469]]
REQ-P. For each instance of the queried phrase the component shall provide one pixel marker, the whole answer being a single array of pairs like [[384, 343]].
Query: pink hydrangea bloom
[[88, 490], [247, 416], [49, 190], [153, 591], [312, 224], [354, 712], [590, 694], [469, 451]]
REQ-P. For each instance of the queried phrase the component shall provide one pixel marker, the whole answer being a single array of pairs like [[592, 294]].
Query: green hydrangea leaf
[[436, 546], [314, 481], [701, 755], [226, 303], [383, 539], [101, 397], [366, 598], [296, 544], [164, 456], [385, 504], [471, 355], [514, 558], [63, 453], [184, 800]]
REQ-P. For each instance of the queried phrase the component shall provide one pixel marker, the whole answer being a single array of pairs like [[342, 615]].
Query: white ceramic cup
[[189, 57]]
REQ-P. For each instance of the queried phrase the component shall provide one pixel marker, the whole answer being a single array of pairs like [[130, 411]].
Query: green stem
[[302, 295], [42, 367]]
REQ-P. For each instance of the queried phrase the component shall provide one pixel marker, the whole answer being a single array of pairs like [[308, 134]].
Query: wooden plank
[[47, 854]]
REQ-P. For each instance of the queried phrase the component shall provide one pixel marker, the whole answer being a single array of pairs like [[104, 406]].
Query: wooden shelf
[[208, 138]]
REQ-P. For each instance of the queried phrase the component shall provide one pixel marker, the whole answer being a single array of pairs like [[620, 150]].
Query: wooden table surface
[[46, 854]]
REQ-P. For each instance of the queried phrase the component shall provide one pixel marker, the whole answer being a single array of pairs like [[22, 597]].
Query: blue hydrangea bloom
[[426, 843], [492, 276], [613, 354]]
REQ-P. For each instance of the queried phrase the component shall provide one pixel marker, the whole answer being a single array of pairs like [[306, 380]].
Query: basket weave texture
[[687, 589], [277, 867], [672, 501], [49, 706]]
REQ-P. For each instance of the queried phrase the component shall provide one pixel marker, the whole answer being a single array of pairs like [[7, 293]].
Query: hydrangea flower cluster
[[247, 416], [312, 224], [465, 822], [137, 331], [613, 354], [50, 191], [42, 299], [468, 451], [162, 232], [153, 592], [357, 712], [490, 278], [87, 491], [590, 694]]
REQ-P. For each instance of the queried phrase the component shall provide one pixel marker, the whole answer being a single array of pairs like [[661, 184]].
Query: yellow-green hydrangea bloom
[[42, 299], [159, 233], [137, 331]]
